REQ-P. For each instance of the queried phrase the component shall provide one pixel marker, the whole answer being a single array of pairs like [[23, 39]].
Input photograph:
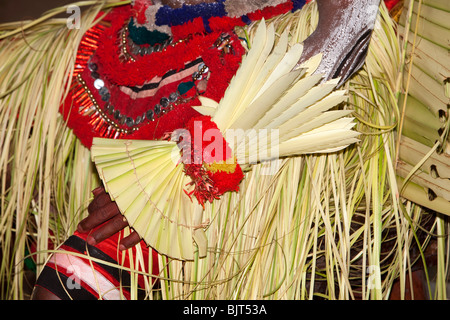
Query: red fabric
[[217, 24], [390, 3], [110, 247], [205, 147], [115, 72], [195, 26], [138, 10], [75, 277], [270, 12], [227, 181], [197, 127]]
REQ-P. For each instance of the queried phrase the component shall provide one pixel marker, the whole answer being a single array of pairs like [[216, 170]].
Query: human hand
[[103, 210]]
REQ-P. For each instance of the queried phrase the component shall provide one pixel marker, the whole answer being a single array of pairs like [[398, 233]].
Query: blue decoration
[[298, 4], [178, 16], [169, 16]]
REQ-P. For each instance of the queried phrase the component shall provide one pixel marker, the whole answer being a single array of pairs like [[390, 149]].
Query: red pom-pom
[[270, 12], [226, 182], [187, 29], [211, 164]]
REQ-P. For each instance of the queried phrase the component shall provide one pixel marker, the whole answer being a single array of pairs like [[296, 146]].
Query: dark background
[[18, 10]]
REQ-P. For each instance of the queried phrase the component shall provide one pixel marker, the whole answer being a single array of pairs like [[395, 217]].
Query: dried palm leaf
[[424, 140], [45, 173], [142, 176], [316, 228], [148, 186]]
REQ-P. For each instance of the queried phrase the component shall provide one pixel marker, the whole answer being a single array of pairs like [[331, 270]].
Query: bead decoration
[[149, 115], [224, 43], [92, 66], [123, 123], [123, 44], [95, 109], [140, 50], [202, 70], [98, 84], [127, 45], [114, 118]]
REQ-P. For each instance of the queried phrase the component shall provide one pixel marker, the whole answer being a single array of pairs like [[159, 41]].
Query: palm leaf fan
[[147, 184], [269, 92], [147, 178]]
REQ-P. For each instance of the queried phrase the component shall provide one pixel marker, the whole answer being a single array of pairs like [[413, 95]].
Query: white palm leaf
[[268, 92], [147, 182]]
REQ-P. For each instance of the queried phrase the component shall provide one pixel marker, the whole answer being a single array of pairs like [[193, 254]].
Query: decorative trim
[[110, 66], [211, 175], [94, 109]]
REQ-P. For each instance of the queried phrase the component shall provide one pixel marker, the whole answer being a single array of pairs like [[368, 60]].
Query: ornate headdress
[[139, 70], [150, 79]]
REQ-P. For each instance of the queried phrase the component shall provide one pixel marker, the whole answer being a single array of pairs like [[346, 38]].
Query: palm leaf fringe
[[46, 175], [325, 226]]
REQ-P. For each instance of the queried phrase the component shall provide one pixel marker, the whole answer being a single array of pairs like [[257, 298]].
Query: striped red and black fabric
[[80, 271]]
